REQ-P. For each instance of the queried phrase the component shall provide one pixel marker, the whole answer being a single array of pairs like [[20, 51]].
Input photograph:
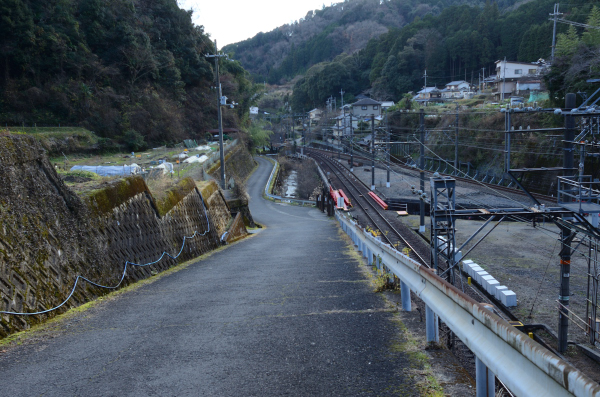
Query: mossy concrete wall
[[49, 235], [238, 162], [237, 230]]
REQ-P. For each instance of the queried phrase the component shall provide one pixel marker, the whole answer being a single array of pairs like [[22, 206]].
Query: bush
[[134, 141]]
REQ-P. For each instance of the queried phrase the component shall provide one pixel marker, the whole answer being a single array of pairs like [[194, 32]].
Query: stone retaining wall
[[238, 162], [49, 235]]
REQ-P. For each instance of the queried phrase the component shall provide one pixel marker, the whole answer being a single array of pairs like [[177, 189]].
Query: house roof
[[456, 82], [366, 101], [521, 63], [387, 103], [428, 89]]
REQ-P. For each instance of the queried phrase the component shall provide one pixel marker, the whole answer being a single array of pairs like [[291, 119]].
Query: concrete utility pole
[[482, 79], [351, 145], [343, 132], [220, 102], [343, 124], [456, 164], [309, 131], [508, 127], [389, 148], [566, 235], [422, 167], [555, 14], [503, 77], [372, 152]]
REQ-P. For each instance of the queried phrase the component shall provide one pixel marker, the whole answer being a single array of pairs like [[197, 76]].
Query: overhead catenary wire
[[482, 184]]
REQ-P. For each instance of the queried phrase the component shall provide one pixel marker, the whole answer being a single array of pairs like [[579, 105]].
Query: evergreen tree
[[566, 43], [591, 37]]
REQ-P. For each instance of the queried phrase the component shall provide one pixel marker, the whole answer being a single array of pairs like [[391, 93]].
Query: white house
[[385, 105], [429, 94], [508, 73], [459, 85], [456, 89], [314, 115]]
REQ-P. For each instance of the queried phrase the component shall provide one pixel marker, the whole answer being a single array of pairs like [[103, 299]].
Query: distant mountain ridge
[[323, 34]]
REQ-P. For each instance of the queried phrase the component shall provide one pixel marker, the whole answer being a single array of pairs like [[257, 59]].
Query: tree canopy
[[133, 70], [462, 42]]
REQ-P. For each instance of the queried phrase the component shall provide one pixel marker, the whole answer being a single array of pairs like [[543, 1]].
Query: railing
[[215, 157], [578, 189], [279, 198], [524, 366]]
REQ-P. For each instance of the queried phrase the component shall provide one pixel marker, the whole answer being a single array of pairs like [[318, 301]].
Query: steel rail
[[360, 194], [357, 201], [458, 178], [506, 311]]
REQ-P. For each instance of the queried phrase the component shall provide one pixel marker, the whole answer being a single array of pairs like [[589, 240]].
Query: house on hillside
[[456, 89], [343, 126], [509, 74], [429, 94], [314, 116], [385, 105], [529, 84], [366, 107], [490, 81]]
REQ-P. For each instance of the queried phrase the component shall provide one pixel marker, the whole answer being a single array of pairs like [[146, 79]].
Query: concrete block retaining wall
[[49, 235], [238, 161]]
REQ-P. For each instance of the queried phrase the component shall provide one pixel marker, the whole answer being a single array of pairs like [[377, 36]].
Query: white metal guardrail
[[523, 365]]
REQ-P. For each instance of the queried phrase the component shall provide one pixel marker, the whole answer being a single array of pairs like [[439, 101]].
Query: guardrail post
[[431, 325], [405, 296], [485, 380]]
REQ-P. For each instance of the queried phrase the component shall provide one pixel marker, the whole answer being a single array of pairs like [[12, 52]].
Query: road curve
[[286, 312]]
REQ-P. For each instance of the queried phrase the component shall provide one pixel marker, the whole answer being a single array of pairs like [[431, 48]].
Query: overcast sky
[[230, 21]]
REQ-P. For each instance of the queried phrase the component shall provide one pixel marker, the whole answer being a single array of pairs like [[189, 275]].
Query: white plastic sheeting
[[167, 167], [109, 170], [196, 159]]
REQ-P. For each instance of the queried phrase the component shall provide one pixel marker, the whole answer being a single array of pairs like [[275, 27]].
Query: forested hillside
[[454, 45], [323, 34], [129, 70]]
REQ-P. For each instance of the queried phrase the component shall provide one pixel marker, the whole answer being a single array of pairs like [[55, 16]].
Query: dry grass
[[159, 186]]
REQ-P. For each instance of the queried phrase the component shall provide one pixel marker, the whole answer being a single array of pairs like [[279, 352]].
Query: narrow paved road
[[286, 312]]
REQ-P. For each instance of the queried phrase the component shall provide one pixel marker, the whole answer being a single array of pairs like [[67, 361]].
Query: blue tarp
[[108, 170]]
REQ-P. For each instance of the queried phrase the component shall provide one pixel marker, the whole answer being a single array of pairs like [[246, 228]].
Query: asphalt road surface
[[286, 312]]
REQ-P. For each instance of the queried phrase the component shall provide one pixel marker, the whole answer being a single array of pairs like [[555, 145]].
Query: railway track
[[395, 233], [341, 177], [358, 193]]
